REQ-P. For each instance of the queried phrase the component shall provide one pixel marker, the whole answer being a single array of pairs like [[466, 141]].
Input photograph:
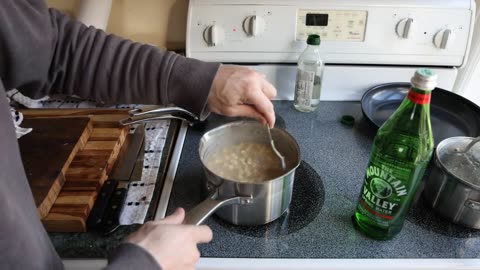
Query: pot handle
[[135, 120], [474, 205], [139, 116], [201, 212]]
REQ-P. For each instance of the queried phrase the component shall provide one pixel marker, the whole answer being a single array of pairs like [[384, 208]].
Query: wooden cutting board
[[47, 152], [89, 168]]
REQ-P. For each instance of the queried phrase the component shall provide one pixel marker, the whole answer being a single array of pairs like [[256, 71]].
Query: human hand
[[239, 91], [173, 245]]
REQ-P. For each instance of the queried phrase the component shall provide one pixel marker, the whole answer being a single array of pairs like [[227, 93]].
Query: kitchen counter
[[317, 232]]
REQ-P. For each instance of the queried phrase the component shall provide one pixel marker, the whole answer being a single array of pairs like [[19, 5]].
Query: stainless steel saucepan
[[453, 186], [246, 203]]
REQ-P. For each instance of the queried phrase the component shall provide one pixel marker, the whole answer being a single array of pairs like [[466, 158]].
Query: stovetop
[[326, 188]]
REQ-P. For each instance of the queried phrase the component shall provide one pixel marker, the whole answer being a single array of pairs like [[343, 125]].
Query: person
[[42, 52]]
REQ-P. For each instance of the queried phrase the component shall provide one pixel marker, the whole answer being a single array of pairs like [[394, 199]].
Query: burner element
[[307, 201]]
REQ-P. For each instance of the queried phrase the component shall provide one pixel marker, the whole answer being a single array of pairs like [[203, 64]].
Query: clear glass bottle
[[400, 154], [309, 76]]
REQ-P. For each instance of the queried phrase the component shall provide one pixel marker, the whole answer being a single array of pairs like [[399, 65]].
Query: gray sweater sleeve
[[59, 55]]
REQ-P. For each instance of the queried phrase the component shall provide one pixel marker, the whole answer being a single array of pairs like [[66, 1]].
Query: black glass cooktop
[[326, 189]]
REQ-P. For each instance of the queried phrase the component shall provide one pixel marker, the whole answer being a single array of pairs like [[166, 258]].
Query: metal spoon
[[280, 156], [466, 149]]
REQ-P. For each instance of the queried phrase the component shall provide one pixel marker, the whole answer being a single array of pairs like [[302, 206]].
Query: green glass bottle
[[401, 151]]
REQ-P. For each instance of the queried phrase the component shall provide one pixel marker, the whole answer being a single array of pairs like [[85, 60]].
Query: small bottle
[[309, 76], [400, 154]]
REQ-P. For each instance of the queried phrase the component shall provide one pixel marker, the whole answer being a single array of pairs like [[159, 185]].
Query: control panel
[[332, 25], [353, 33]]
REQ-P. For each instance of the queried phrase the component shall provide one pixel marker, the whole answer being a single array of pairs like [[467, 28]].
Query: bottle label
[[390, 181], [304, 87], [419, 98]]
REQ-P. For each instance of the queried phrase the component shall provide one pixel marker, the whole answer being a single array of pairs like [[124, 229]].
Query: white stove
[[369, 41]]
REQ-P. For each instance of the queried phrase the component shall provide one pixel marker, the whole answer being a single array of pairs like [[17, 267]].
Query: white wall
[[158, 22], [473, 88], [468, 81]]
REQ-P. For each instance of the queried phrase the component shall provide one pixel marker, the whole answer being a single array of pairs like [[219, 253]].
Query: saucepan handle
[[139, 116], [135, 120], [164, 111], [474, 205], [201, 212]]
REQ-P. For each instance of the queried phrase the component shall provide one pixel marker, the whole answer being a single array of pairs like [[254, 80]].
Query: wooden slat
[[90, 160], [105, 134], [68, 198], [60, 222], [84, 185], [100, 145]]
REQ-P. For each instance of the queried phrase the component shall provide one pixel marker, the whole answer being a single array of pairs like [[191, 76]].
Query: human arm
[[54, 54], [60, 55], [161, 77]]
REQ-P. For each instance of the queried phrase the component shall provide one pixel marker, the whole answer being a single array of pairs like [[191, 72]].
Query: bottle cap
[[425, 79], [348, 120], [313, 40]]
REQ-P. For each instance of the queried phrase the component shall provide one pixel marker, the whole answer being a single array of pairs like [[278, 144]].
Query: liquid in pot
[[245, 162]]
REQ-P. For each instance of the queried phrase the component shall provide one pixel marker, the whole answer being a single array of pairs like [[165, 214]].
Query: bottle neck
[[419, 96], [413, 115]]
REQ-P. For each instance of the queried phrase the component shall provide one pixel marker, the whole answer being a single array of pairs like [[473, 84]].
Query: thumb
[[174, 219]]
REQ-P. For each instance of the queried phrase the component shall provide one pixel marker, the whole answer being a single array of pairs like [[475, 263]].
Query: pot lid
[[460, 156]]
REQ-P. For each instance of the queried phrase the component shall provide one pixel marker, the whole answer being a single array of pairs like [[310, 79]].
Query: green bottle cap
[[425, 79], [348, 120], [313, 40]]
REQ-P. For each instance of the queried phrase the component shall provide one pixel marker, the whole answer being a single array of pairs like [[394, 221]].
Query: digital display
[[317, 19]]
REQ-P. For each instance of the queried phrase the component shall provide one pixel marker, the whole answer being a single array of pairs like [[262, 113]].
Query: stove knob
[[405, 28], [443, 39], [214, 35], [254, 25]]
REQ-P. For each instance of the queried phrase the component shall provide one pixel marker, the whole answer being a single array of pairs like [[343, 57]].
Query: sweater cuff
[[131, 256], [192, 93]]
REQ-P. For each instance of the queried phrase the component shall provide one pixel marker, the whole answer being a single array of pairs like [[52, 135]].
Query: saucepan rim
[[243, 122]]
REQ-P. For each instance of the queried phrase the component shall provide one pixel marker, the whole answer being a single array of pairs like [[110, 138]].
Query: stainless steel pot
[[453, 186], [243, 203]]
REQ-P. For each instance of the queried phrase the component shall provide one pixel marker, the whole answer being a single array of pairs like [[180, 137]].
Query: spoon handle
[[470, 145], [280, 156]]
